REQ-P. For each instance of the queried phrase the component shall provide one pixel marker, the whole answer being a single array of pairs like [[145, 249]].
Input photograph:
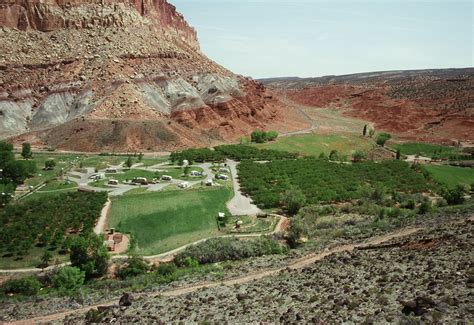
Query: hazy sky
[[267, 38]]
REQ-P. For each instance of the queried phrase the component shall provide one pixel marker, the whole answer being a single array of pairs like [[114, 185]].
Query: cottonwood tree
[[26, 151]]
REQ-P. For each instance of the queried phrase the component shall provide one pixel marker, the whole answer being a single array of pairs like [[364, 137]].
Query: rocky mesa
[[118, 75]]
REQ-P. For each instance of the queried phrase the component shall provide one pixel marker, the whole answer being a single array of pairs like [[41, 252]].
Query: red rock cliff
[[49, 15]]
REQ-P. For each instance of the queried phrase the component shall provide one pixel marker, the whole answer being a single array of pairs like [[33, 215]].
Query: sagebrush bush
[[166, 269]]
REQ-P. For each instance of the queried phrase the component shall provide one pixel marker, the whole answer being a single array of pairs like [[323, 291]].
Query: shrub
[[223, 249], [293, 199], [334, 155], [166, 269], [296, 231], [425, 207], [49, 164], [28, 286], [271, 135], [258, 136], [359, 155], [454, 196], [69, 279], [135, 266], [382, 138]]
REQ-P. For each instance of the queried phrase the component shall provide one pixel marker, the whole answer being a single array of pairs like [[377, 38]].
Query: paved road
[[239, 205]]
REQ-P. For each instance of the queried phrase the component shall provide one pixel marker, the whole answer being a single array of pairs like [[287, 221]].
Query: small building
[[183, 185], [166, 178], [113, 182], [221, 215], [209, 182]]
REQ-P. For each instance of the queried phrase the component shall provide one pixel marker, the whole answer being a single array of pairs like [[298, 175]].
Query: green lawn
[[451, 175], [427, 150], [32, 259], [314, 144], [55, 185], [166, 220]]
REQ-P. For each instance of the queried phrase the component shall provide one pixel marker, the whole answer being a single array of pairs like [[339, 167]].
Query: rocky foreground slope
[[426, 277], [430, 105], [117, 75]]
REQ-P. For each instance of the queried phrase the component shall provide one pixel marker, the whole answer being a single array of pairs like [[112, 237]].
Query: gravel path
[[101, 223], [239, 205]]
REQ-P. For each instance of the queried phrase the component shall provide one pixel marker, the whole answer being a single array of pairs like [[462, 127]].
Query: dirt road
[[298, 264]]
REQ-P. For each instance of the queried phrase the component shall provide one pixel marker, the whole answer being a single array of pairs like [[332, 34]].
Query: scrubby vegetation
[[47, 223], [259, 136], [323, 181], [224, 249]]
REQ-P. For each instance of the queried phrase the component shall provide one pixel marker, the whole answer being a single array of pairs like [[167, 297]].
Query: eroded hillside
[[74, 73], [430, 105]]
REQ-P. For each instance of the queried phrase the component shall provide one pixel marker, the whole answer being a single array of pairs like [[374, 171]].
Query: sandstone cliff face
[[53, 15], [68, 68]]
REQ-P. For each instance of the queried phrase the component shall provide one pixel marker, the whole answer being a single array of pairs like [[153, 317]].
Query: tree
[[6, 153], [271, 135], [69, 280], [26, 151], [129, 162], [140, 156], [45, 259], [89, 254], [399, 154], [296, 231], [258, 136], [359, 155], [334, 155], [49, 164], [364, 132], [294, 199], [186, 170], [382, 138]]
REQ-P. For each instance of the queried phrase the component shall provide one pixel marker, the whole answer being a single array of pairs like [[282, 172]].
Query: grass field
[[427, 150], [314, 144], [451, 175], [166, 220], [55, 185]]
